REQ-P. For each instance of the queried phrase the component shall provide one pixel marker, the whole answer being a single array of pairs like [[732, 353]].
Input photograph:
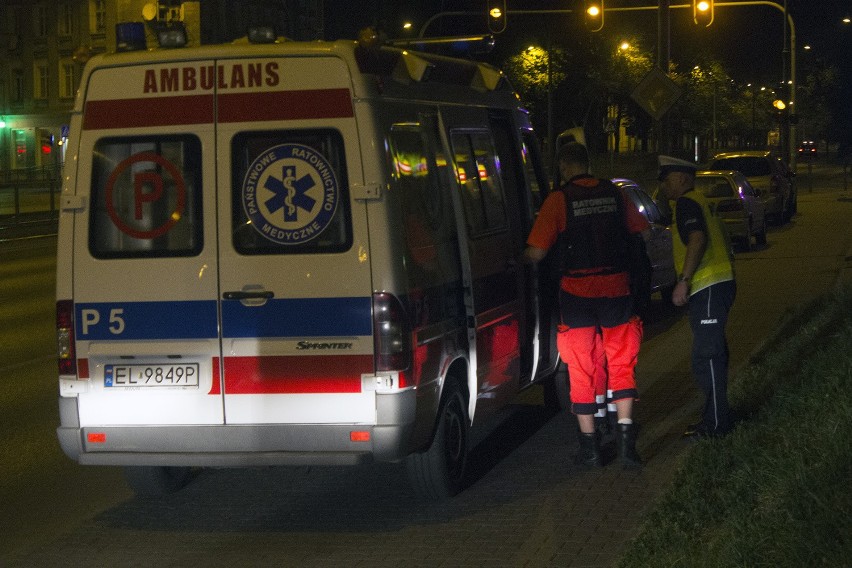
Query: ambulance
[[295, 253]]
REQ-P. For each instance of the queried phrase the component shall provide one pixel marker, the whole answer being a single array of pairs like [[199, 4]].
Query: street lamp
[[497, 16], [703, 12], [594, 14]]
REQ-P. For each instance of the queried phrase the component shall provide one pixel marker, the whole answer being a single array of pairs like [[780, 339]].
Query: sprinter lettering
[[188, 79], [311, 345]]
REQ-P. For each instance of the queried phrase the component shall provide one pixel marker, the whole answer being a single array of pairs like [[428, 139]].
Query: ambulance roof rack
[[417, 67], [453, 45]]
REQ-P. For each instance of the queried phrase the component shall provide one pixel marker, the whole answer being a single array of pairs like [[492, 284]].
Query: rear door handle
[[248, 295]]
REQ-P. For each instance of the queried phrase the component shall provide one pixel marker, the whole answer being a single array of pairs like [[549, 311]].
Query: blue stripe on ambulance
[[303, 317], [146, 320]]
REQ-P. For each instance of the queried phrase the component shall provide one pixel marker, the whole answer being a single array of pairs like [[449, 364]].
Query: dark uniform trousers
[[708, 316]]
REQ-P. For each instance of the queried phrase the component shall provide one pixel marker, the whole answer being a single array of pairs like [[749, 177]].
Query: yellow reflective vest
[[716, 265]]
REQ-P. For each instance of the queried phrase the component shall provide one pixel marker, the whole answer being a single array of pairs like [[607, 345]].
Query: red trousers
[[587, 349]]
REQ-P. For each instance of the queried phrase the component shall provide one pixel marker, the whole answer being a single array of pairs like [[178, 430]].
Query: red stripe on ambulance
[[233, 107], [155, 111], [294, 374], [285, 105]]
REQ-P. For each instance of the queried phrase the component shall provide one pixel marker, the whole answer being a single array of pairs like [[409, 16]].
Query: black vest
[[596, 234]]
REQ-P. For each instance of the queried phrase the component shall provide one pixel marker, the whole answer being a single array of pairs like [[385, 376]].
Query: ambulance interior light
[[261, 34], [172, 35]]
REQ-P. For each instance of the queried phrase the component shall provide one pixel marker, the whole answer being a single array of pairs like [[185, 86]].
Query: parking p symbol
[[144, 180]]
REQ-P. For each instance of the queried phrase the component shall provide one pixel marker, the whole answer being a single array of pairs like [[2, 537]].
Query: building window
[[65, 21], [97, 16], [67, 81], [40, 20], [40, 80], [18, 86]]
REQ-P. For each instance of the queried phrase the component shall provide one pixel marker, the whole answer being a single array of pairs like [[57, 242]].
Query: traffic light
[[46, 142], [496, 16], [593, 14], [703, 12]]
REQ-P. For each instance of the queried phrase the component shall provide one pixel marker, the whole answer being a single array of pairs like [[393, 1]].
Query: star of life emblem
[[290, 194]]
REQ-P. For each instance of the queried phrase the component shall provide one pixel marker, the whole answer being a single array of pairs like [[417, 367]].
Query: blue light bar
[[130, 36]]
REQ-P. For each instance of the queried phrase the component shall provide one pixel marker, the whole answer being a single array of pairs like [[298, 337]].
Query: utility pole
[[663, 57]]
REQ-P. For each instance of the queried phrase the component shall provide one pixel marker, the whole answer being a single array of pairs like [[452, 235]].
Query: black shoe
[[702, 432], [589, 454], [692, 429], [626, 444]]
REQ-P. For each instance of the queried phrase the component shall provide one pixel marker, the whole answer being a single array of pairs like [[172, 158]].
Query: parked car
[[659, 246], [767, 174], [807, 150], [734, 200]]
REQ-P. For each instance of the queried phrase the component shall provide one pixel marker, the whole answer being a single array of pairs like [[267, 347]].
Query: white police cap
[[671, 164]]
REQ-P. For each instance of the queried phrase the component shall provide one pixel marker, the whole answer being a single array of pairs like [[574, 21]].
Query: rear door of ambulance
[[145, 256], [221, 272], [295, 287]]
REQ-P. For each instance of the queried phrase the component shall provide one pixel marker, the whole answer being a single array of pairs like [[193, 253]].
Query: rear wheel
[[156, 481], [760, 238], [437, 473], [791, 207]]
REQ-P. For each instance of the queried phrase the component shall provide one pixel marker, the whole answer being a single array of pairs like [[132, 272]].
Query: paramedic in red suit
[[591, 218]]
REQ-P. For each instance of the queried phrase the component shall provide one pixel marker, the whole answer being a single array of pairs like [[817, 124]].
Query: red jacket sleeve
[[549, 223]]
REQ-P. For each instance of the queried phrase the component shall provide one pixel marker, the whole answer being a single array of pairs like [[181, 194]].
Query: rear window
[[750, 166], [644, 204], [146, 197], [290, 192], [714, 186], [478, 173]]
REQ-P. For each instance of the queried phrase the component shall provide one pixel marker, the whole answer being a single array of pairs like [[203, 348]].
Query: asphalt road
[[526, 504]]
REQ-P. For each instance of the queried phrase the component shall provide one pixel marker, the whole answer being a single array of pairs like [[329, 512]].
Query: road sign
[[656, 93]]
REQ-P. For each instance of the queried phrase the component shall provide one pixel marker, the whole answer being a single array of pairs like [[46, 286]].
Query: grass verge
[[776, 492]]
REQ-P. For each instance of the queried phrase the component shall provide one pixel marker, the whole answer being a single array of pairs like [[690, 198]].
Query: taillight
[[391, 333], [66, 355], [729, 206]]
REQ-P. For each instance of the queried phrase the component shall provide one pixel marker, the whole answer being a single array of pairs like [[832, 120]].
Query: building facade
[[44, 45]]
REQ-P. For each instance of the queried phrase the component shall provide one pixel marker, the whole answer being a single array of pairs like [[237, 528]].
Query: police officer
[[593, 219], [706, 283]]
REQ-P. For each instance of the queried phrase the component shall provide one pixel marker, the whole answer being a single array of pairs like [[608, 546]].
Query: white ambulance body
[[293, 253]]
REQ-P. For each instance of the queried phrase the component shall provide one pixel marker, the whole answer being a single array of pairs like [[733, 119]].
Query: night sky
[[749, 39]]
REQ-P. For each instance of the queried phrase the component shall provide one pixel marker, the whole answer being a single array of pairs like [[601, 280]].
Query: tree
[[818, 95]]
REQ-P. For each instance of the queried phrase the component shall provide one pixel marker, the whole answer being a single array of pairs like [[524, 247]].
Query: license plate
[[155, 375]]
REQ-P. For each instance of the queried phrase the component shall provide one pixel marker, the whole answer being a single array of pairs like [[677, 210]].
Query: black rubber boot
[[589, 454], [626, 442]]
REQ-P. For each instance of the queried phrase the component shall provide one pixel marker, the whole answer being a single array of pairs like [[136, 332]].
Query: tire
[[760, 238], [437, 474], [156, 481], [557, 394]]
